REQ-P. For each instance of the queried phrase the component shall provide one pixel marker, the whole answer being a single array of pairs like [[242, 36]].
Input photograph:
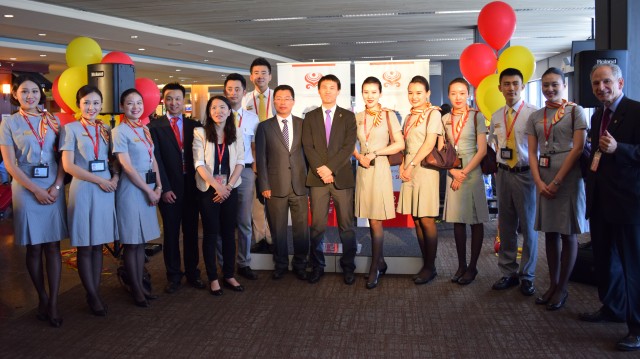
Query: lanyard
[[96, 143], [408, 128], [239, 118], [453, 127], [366, 135], [38, 138], [507, 128], [220, 156], [148, 145], [255, 104], [547, 132]]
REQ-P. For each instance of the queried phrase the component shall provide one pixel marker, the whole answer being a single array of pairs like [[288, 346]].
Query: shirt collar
[[333, 109], [288, 118], [517, 105], [615, 103]]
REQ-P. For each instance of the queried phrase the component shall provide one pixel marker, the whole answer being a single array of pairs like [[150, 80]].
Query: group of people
[[251, 162]]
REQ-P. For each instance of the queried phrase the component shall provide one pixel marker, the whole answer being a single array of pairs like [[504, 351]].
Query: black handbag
[[489, 164]]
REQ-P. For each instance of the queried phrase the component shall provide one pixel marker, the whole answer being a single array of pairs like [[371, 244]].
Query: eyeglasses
[[282, 99]]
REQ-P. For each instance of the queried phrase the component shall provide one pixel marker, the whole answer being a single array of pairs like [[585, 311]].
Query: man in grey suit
[[282, 171], [328, 139]]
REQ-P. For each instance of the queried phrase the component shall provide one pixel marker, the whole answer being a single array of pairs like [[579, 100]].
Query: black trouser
[[277, 215], [218, 219]]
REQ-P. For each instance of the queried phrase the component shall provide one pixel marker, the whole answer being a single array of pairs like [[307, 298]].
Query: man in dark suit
[[613, 203], [172, 136], [282, 171], [328, 139]]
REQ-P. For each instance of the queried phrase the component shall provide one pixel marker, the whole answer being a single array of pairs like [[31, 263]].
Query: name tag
[[150, 177], [97, 166], [506, 153], [458, 163], [40, 171], [136, 140], [544, 161], [27, 133]]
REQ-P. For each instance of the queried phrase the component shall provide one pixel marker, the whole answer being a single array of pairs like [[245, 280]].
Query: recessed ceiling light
[[209, 50], [8, 15], [371, 15], [155, 79], [42, 34], [457, 12], [174, 44], [316, 44], [280, 19], [134, 36], [12, 58], [43, 55], [206, 60], [141, 49], [170, 76], [178, 70]]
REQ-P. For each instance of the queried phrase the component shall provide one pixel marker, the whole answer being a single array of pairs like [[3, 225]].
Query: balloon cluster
[[479, 62], [83, 51]]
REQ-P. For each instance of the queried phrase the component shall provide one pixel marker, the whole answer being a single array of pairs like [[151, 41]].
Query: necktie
[[262, 108], [606, 119], [511, 141], [176, 131], [285, 132], [327, 125], [235, 119]]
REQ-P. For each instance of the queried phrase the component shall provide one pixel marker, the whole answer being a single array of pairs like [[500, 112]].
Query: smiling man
[[515, 186]]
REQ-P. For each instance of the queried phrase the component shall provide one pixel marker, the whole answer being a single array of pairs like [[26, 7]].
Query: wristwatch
[[375, 154], [57, 187], [412, 164]]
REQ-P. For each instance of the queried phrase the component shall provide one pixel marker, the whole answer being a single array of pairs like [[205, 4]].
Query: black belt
[[514, 169], [248, 165]]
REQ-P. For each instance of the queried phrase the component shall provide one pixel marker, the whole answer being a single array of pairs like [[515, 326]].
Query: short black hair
[[511, 72], [127, 93], [329, 77], [236, 77], [284, 88], [84, 91], [260, 61], [420, 80], [173, 86], [22, 79], [372, 80]]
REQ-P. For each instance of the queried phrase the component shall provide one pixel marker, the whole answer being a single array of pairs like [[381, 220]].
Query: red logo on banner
[[312, 79], [391, 78]]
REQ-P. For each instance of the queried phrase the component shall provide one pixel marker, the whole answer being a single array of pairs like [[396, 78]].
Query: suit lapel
[[275, 126], [336, 127], [166, 126], [618, 116]]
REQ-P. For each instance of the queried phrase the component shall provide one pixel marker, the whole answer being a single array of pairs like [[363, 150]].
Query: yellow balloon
[[70, 81], [83, 51], [488, 97], [518, 57]]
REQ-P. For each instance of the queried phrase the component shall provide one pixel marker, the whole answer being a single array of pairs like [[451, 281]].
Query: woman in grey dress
[[27, 140], [138, 191], [558, 132], [91, 211], [465, 200]]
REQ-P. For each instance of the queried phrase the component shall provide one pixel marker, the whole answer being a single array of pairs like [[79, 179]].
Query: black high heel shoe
[[383, 270], [459, 273], [465, 281], [419, 280], [97, 312], [235, 288], [560, 304], [151, 296], [374, 283], [55, 322]]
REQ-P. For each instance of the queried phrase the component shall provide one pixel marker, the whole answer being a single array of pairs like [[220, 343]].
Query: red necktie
[[176, 131], [606, 119]]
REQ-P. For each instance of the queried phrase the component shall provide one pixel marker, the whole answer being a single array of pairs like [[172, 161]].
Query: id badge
[[372, 162], [458, 163], [40, 171], [596, 161], [222, 179], [97, 166], [544, 161], [506, 153], [151, 177]]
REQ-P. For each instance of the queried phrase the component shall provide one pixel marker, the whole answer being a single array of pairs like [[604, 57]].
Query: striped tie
[[285, 132]]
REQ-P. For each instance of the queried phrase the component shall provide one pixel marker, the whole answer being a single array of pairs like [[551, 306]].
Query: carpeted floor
[[294, 319]]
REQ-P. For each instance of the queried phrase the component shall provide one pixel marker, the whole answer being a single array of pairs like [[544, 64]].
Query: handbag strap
[[391, 139], [444, 130]]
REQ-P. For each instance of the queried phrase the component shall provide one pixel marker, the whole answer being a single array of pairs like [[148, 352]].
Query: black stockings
[[90, 270], [460, 235], [562, 250], [48, 304], [134, 264], [377, 241], [427, 234]]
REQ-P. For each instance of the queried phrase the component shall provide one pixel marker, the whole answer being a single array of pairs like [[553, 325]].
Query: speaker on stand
[[112, 80]]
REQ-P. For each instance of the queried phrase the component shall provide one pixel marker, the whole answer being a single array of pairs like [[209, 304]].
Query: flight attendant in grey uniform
[[138, 191], [91, 211], [465, 200], [558, 133], [28, 139]]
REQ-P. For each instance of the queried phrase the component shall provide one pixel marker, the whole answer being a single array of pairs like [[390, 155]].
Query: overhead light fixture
[[446, 12], [170, 76], [372, 15], [316, 44], [42, 34], [155, 79], [141, 49], [209, 50], [375, 42], [6, 90], [206, 60], [43, 55], [134, 36], [8, 15], [436, 55], [13, 58], [281, 19], [178, 70]]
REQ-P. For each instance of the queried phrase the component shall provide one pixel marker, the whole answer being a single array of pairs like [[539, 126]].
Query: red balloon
[[65, 118], [150, 96], [117, 57], [477, 61], [58, 98], [497, 23]]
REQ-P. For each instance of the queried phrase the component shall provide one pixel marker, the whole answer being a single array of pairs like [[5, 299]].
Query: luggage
[[584, 270]]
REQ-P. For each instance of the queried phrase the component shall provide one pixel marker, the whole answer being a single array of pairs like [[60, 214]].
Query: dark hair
[[554, 70], [260, 61], [329, 77], [229, 126], [86, 90], [511, 72], [372, 80], [173, 86], [19, 81], [458, 80], [236, 77], [445, 109], [127, 93], [420, 80], [284, 88]]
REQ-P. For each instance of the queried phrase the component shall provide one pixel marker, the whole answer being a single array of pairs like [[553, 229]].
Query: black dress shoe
[[541, 301], [172, 287], [560, 304], [506, 282], [301, 274], [217, 292], [349, 278], [278, 274], [248, 273], [196, 283], [599, 316], [142, 304], [235, 288], [459, 273], [316, 274], [527, 288], [629, 343], [151, 296], [420, 280]]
